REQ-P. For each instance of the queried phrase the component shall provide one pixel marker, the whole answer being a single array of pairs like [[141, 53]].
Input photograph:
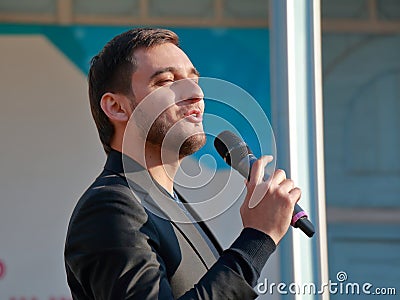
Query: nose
[[188, 90]]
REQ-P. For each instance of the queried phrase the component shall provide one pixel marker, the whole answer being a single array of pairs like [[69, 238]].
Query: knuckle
[[287, 201], [296, 190], [280, 172], [281, 193], [290, 181], [296, 193]]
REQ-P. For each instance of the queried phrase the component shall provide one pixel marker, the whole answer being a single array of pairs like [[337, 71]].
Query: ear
[[116, 107]]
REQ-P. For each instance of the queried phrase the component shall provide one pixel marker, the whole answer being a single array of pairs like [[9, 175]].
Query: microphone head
[[231, 148]]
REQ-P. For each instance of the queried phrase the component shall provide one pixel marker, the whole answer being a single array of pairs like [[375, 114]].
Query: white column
[[297, 122]]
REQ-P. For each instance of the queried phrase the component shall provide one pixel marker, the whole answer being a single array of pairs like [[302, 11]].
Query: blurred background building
[[50, 151]]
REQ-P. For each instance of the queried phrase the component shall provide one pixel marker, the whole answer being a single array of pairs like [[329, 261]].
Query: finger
[[267, 159], [256, 176], [295, 194], [287, 185], [279, 177], [257, 170]]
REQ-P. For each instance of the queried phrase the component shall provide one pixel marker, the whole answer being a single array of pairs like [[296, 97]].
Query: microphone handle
[[300, 220]]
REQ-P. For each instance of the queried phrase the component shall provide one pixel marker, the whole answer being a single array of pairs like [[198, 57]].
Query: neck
[[162, 166]]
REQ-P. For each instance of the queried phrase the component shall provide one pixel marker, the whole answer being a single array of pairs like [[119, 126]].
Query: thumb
[[256, 175]]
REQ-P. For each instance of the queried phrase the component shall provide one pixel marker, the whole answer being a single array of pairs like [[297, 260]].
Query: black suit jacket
[[121, 244]]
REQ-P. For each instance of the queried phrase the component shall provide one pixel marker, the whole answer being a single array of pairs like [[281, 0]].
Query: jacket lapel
[[156, 200]]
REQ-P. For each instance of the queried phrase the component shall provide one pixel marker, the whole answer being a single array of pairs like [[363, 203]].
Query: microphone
[[237, 154]]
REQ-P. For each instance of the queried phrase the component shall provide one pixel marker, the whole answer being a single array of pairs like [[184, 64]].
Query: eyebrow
[[173, 70]]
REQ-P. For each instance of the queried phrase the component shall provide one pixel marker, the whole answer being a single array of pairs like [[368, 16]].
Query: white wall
[[49, 154]]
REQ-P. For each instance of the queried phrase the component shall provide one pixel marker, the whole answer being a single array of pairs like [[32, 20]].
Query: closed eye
[[164, 82]]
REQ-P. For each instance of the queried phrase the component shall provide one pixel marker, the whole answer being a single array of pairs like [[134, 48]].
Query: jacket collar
[[138, 177], [158, 201], [151, 194]]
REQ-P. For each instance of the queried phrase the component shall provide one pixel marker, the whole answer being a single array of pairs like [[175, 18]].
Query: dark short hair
[[111, 71]]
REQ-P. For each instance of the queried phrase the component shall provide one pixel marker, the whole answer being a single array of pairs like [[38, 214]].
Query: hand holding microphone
[[276, 198]]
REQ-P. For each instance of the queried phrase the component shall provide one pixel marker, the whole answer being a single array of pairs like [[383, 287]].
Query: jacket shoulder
[[109, 214]]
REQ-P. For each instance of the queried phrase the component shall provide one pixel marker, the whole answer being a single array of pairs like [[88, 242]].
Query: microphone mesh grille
[[231, 147]]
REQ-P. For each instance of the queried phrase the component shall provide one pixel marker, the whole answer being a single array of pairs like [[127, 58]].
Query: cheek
[[165, 120], [162, 103], [139, 90], [171, 115]]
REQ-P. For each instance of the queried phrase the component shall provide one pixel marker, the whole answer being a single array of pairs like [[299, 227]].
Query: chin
[[192, 144]]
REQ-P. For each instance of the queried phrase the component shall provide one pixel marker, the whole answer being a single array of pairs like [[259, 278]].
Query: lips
[[194, 116]]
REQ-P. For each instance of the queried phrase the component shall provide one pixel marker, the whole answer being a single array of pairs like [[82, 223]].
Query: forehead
[[161, 56]]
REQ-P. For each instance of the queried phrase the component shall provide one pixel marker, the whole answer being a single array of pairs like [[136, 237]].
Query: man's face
[[169, 103]]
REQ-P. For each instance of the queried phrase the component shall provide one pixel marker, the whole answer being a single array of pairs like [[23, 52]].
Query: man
[[129, 236]]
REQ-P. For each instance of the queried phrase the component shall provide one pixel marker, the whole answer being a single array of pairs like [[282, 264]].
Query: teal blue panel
[[240, 56]]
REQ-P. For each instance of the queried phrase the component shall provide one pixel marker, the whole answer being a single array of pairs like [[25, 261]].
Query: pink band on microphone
[[298, 216]]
